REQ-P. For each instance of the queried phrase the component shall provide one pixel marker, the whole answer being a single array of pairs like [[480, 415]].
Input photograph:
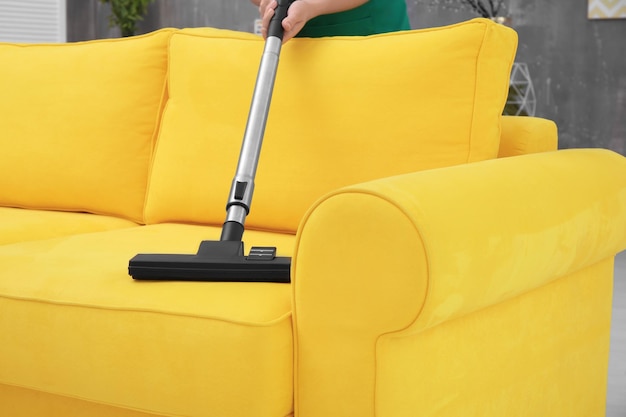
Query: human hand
[[298, 14]]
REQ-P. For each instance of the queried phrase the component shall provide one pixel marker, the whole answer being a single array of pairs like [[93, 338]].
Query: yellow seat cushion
[[20, 225], [81, 327], [78, 123], [344, 110]]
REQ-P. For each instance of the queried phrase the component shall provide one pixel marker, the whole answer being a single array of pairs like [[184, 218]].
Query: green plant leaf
[[126, 13]]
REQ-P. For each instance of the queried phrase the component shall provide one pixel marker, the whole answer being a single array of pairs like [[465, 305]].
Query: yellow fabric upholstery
[[81, 327], [436, 95], [477, 289], [23, 402], [525, 135], [78, 123], [549, 346], [427, 250], [19, 225]]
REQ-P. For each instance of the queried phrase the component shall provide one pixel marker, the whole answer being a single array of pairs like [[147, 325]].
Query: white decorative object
[[521, 100], [606, 9]]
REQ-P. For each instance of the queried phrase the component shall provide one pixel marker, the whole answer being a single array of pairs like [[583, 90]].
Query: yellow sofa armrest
[[409, 253], [522, 135]]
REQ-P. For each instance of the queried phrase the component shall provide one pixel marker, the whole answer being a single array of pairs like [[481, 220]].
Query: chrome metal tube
[[242, 188]]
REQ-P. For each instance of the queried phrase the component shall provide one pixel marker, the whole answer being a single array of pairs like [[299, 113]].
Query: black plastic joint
[[232, 231], [240, 204]]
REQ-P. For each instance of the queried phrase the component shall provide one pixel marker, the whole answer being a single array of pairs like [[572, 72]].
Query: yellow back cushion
[[344, 110], [78, 122]]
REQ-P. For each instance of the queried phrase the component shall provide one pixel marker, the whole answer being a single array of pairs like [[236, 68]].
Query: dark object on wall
[[488, 9]]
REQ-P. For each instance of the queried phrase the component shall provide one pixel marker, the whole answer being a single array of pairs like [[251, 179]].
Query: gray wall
[[88, 19], [578, 66]]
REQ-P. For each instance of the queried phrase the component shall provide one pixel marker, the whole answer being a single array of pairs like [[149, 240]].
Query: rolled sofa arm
[[408, 253], [521, 135]]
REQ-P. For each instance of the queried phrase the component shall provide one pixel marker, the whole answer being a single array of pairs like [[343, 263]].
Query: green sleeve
[[375, 16]]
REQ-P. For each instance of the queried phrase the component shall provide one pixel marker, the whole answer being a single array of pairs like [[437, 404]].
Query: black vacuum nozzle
[[215, 261]]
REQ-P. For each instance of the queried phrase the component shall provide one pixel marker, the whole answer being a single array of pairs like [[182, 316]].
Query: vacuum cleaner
[[224, 260]]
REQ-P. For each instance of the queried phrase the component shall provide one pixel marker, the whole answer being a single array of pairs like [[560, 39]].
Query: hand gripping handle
[[276, 23]]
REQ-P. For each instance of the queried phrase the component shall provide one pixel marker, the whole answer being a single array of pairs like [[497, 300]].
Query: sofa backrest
[[344, 110], [78, 123]]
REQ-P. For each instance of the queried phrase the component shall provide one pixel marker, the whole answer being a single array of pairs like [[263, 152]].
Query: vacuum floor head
[[222, 261]]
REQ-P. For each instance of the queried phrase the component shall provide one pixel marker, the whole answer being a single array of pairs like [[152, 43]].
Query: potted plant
[[488, 9], [126, 13]]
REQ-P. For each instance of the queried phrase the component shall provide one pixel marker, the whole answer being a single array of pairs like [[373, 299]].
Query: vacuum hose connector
[[232, 231]]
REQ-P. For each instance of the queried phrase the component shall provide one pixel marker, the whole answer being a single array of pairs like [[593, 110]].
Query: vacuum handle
[[276, 23]]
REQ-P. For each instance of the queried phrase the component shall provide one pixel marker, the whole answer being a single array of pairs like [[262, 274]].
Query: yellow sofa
[[447, 261]]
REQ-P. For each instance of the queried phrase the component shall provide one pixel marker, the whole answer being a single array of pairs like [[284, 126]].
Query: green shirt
[[375, 16]]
